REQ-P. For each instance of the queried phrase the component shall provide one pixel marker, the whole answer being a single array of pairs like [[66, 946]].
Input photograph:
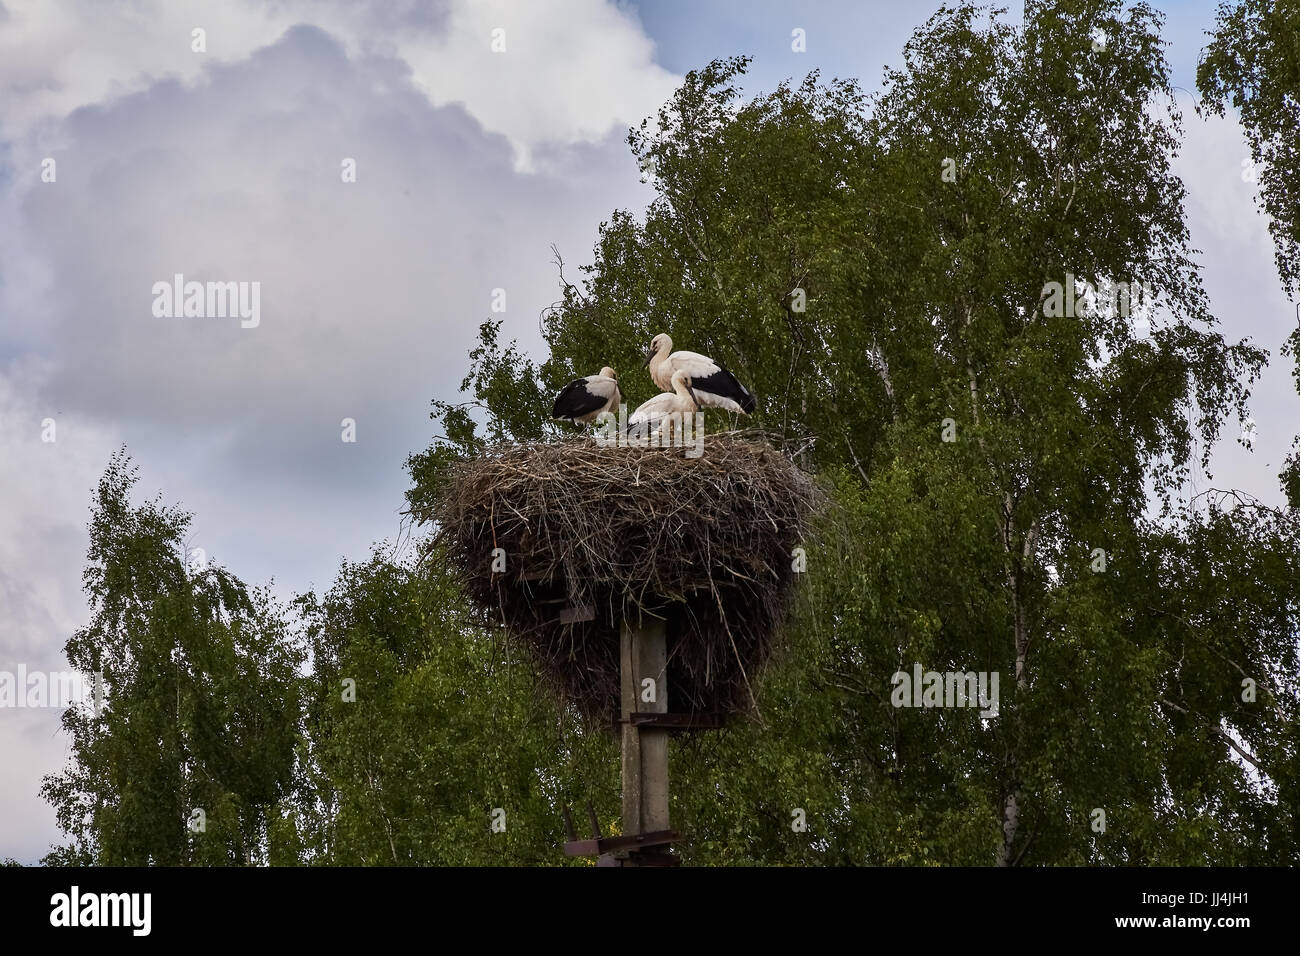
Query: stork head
[[608, 373], [660, 343]]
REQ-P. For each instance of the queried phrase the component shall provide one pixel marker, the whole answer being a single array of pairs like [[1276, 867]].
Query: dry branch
[[705, 543]]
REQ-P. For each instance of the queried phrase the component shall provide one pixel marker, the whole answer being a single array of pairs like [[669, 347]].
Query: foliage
[[1253, 62], [445, 726], [924, 312], [200, 707]]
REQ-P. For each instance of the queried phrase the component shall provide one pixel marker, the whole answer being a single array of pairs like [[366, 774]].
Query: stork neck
[[660, 375]]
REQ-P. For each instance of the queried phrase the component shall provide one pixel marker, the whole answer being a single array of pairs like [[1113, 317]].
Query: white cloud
[[572, 70], [569, 72], [229, 168]]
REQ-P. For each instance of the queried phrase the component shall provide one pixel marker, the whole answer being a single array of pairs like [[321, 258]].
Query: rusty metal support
[[645, 725]]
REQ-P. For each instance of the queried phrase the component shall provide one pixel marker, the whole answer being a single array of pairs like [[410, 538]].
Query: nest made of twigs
[[706, 543]]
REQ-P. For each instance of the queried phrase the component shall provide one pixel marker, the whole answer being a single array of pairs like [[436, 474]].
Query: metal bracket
[[673, 721], [641, 844]]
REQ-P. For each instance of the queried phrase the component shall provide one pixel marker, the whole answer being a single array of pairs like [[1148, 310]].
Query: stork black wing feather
[[723, 383], [574, 400]]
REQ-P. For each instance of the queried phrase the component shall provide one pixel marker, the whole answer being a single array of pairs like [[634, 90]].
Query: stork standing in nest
[[667, 409], [713, 385], [584, 400]]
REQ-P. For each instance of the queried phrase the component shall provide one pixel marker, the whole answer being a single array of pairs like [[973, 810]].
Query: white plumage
[[713, 385], [584, 399], [681, 401]]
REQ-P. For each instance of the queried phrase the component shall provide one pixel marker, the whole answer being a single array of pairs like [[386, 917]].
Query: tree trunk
[[1011, 802]]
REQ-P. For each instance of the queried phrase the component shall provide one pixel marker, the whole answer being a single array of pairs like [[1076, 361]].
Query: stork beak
[[648, 356], [695, 398]]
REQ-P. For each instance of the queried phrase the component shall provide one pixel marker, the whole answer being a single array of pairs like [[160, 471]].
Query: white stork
[[584, 399], [666, 407], [714, 385]]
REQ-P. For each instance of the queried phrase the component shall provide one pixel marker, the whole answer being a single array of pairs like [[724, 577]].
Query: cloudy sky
[[226, 164]]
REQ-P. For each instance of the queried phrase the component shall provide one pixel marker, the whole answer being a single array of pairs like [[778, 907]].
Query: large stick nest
[[705, 543]]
